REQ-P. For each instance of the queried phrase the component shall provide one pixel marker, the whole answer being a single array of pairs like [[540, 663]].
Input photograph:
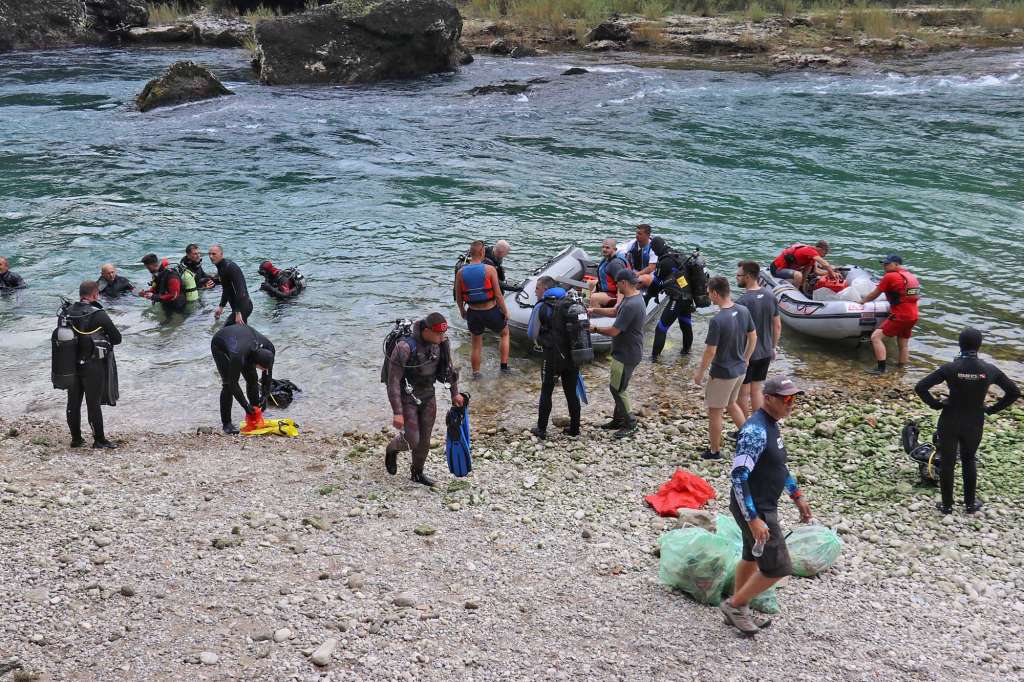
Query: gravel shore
[[199, 556]]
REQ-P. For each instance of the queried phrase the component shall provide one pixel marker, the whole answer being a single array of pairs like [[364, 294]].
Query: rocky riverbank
[[194, 555]]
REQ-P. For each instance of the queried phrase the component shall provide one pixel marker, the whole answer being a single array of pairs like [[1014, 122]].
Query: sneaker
[[477, 375], [540, 433], [707, 454], [230, 429], [421, 478], [613, 425], [973, 508], [391, 460], [627, 430], [571, 432], [943, 509], [739, 618], [77, 442], [103, 445], [875, 371], [761, 620]]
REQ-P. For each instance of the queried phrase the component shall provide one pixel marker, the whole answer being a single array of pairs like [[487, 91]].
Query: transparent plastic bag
[[698, 563], [727, 528], [813, 549]]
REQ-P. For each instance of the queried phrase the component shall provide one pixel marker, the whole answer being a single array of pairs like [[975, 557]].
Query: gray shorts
[[784, 273]]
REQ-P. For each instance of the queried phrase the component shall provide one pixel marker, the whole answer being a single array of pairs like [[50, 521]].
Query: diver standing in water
[[241, 352], [95, 336], [963, 414], [415, 363], [234, 290], [9, 280]]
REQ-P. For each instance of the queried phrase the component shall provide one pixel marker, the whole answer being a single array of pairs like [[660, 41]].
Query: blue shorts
[[480, 321]]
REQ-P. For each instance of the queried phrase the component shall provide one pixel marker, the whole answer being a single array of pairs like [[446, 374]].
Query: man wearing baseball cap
[[759, 476], [902, 290], [416, 363], [627, 334]]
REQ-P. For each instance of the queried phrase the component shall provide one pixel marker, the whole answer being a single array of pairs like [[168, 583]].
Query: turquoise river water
[[373, 191]]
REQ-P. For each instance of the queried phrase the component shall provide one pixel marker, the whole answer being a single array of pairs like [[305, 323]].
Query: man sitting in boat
[[603, 292], [797, 261], [640, 257]]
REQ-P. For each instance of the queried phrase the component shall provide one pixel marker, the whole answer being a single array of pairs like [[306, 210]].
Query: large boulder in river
[[58, 23], [183, 82], [359, 41]]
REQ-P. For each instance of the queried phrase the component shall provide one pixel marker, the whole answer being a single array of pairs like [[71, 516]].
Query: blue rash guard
[[759, 473]]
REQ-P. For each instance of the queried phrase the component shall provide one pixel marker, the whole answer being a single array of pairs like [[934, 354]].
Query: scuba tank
[[578, 325], [188, 283], [697, 274], [64, 350]]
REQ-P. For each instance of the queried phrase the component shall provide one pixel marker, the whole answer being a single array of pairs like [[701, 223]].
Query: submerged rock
[[507, 88], [575, 71], [360, 41], [183, 82]]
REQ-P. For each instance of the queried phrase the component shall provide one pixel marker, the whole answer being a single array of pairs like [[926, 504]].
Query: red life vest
[[788, 258], [903, 292]]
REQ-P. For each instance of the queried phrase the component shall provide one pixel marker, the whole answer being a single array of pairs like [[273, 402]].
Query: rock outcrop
[[201, 29], [359, 41], [183, 82], [60, 23]]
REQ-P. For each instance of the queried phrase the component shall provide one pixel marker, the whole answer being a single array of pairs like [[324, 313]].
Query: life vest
[[639, 258], [160, 286], [605, 282], [908, 293], [476, 285], [188, 283], [787, 259]]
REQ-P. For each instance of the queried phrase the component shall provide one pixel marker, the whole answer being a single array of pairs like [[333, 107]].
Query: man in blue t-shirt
[[759, 476]]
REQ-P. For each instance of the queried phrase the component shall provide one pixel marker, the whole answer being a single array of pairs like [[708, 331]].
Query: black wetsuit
[[558, 366], [491, 259], [9, 280], [91, 372], [679, 307], [232, 349], [197, 269], [963, 415], [235, 291], [114, 289]]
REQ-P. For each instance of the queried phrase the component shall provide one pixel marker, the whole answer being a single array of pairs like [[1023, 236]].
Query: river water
[[373, 190]]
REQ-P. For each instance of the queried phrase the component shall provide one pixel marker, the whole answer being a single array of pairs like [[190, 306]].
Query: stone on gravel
[[404, 600], [424, 530], [696, 518], [323, 653], [282, 634], [209, 658]]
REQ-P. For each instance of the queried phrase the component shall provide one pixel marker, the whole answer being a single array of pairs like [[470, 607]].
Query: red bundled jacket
[[684, 490]]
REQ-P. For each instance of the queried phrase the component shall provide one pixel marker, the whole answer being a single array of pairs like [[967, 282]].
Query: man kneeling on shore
[[759, 476]]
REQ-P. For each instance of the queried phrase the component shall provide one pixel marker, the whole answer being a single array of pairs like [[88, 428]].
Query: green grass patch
[[166, 12], [1005, 18]]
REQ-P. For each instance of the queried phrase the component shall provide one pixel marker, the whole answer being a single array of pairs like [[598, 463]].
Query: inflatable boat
[[830, 314], [568, 268]]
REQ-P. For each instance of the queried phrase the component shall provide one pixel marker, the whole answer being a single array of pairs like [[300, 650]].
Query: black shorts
[[480, 321], [757, 370], [774, 562]]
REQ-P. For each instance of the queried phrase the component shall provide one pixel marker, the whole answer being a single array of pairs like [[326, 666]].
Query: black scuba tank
[[578, 324], [64, 351]]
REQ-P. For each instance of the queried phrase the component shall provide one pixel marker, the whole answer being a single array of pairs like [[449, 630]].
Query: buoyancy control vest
[[605, 280], [639, 256]]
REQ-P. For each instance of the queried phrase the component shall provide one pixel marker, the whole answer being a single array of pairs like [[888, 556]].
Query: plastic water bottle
[[758, 548]]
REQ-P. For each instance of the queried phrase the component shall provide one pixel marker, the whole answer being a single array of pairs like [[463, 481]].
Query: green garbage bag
[[726, 527], [697, 562], [813, 549]]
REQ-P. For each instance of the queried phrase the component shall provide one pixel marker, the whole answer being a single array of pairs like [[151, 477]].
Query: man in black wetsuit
[[9, 280], [963, 414], [234, 289], [494, 255], [112, 284], [96, 335], [415, 364], [193, 260], [668, 270], [548, 328], [240, 351]]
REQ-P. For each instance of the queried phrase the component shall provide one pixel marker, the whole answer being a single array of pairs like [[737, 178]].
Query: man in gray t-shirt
[[764, 310], [627, 334], [730, 343]]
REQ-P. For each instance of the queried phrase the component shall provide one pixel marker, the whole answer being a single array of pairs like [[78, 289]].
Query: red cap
[[440, 327]]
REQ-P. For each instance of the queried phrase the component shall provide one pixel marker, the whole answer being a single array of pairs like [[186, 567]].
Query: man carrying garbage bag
[[759, 476]]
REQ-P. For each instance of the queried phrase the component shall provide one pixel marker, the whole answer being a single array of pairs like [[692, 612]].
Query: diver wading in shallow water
[[167, 287], [963, 414], [193, 262], [94, 338], [234, 290], [111, 284], [241, 352], [416, 358], [9, 280]]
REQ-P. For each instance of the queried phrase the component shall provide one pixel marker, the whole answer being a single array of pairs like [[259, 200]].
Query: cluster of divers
[[417, 354]]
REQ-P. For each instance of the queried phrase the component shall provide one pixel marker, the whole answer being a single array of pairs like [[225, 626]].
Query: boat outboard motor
[[578, 321], [64, 351]]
